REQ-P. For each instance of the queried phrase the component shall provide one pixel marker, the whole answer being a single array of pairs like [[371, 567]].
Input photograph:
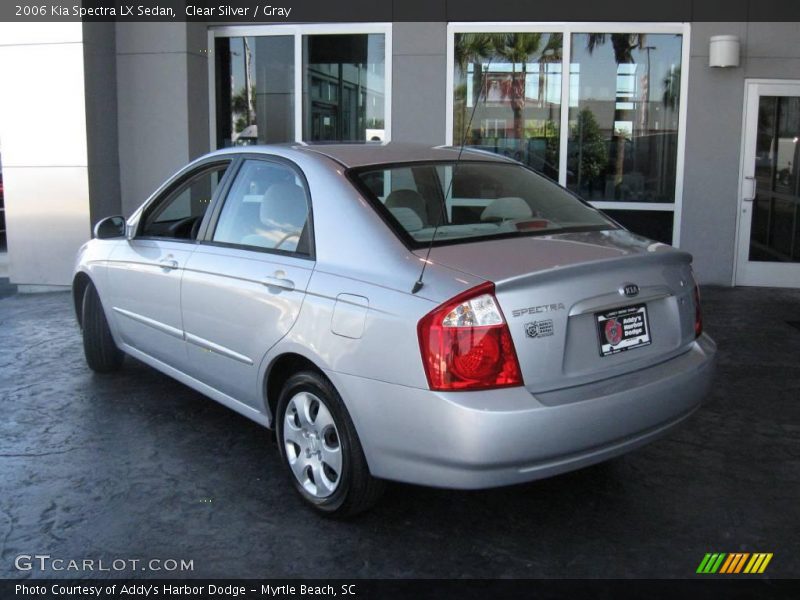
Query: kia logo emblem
[[630, 290]]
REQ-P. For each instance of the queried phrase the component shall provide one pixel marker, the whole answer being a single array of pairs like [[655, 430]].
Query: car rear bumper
[[472, 440]]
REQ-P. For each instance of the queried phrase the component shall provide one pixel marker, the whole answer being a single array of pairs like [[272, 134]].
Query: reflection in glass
[[775, 228], [344, 87], [178, 215], [624, 106], [512, 84], [254, 90], [445, 202], [266, 208], [654, 224]]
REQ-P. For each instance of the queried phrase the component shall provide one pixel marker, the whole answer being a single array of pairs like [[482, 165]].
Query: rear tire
[[320, 449], [102, 354]]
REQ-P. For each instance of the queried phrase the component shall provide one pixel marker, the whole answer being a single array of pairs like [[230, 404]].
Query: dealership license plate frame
[[629, 340]]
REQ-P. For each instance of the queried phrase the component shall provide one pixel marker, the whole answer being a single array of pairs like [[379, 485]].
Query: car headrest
[[407, 218], [408, 199], [509, 207], [284, 207]]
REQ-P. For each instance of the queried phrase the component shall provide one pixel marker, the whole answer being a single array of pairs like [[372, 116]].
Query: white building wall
[[44, 150]]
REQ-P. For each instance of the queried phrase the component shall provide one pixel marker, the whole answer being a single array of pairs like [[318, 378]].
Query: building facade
[[629, 115]]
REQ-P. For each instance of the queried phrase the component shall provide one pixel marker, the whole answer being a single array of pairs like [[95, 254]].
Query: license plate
[[623, 329]]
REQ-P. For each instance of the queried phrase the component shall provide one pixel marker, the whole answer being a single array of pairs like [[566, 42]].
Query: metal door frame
[[746, 272]]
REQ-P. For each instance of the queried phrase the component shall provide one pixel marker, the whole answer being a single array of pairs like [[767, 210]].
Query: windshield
[[473, 200]]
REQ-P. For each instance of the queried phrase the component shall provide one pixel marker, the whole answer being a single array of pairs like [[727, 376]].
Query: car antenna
[[419, 283]]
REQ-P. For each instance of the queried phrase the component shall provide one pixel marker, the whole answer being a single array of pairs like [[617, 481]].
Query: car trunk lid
[[559, 293]]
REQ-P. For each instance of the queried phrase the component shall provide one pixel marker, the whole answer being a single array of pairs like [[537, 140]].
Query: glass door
[[769, 218]]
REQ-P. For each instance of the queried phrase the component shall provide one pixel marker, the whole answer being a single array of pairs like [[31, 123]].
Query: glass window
[[343, 83], [267, 207], [179, 213], [653, 224], [344, 87], [254, 90], [507, 95], [473, 200], [775, 226], [623, 116], [622, 123]]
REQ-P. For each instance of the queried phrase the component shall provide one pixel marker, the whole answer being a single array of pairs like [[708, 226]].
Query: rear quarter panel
[[362, 272]]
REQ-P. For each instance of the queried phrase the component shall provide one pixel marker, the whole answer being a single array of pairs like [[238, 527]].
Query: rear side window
[[178, 214], [267, 208]]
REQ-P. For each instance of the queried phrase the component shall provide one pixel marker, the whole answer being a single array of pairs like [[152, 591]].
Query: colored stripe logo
[[734, 563]]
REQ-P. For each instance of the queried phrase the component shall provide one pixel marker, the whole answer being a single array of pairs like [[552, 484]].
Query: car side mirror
[[109, 228]]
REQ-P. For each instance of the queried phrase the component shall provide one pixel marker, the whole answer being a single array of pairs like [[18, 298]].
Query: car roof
[[359, 154]]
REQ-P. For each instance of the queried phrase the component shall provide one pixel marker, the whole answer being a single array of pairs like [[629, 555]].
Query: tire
[[102, 354], [313, 427]]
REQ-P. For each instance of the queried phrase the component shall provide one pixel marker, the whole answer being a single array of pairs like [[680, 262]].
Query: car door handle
[[168, 264], [278, 282]]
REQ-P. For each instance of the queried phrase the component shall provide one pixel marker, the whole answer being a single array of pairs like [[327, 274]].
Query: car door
[[145, 272], [244, 285]]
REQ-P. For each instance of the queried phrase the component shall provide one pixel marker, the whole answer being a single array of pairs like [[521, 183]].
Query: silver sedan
[[399, 312]]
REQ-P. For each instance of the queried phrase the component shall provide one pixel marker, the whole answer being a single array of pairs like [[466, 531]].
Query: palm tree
[[551, 53], [248, 78], [515, 48], [241, 108], [624, 44], [470, 48], [672, 88]]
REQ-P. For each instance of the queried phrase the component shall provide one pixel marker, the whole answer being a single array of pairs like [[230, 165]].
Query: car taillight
[[698, 313], [466, 344]]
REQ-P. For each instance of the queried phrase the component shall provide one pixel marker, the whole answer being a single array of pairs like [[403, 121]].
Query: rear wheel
[[102, 354], [319, 446]]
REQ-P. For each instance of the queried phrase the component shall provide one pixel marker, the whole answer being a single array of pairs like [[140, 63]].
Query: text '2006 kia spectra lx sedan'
[[286, 283]]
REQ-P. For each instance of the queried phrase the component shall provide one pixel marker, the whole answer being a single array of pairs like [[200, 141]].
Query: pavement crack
[[37, 454], [11, 524]]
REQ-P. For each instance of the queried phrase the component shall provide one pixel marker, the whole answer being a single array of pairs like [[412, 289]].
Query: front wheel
[[320, 448], [102, 354]]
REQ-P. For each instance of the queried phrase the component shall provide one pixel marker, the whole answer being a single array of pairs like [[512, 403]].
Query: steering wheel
[[182, 229], [289, 235]]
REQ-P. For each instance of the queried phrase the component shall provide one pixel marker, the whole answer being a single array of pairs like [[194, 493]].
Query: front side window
[[266, 208], [473, 200], [179, 213]]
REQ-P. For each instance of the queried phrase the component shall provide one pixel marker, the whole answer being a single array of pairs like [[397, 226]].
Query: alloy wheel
[[312, 445]]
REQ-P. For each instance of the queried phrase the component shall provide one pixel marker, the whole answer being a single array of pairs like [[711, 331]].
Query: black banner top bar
[[330, 11]]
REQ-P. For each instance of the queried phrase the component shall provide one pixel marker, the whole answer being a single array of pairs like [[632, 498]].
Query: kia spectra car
[[287, 284]]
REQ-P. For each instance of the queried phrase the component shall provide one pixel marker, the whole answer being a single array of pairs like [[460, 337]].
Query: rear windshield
[[472, 200]]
